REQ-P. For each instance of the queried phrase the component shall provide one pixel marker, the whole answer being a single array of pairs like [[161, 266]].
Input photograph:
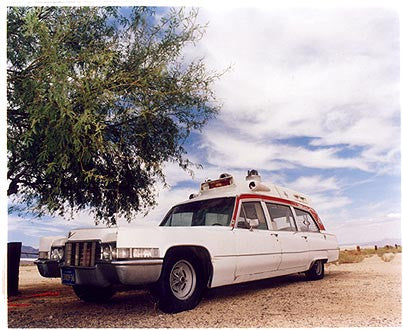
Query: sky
[[311, 101]]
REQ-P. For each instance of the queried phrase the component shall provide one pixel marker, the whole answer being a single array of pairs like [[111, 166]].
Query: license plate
[[68, 276]]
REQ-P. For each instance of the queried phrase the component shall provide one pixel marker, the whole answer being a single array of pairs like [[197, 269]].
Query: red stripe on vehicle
[[235, 211], [280, 200]]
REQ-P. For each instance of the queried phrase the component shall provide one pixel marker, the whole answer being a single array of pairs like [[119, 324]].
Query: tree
[[98, 100]]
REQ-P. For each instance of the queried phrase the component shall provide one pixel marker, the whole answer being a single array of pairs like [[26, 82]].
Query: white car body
[[231, 254]]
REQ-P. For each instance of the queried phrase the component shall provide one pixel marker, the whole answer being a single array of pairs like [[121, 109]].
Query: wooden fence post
[[13, 267]]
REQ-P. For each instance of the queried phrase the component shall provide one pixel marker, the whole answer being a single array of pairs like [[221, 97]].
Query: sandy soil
[[351, 295]]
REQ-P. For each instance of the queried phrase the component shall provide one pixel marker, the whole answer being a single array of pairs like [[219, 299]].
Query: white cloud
[[327, 74], [31, 228], [232, 151], [323, 202], [364, 222], [166, 199], [393, 215], [315, 184], [362, 230]]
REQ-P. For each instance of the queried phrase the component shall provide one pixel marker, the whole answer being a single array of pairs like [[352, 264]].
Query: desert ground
[[365, 294]]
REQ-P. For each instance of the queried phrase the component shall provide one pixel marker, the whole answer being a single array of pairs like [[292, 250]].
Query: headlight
[[56, 254], [108, 252], [43, 255]]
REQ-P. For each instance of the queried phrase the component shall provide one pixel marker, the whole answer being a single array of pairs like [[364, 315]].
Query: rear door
[[294, 244], [258, 251], [317, 243]]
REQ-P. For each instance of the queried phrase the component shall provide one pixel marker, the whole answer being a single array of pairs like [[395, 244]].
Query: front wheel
[[316, 272], [180, 286], [93, 293]]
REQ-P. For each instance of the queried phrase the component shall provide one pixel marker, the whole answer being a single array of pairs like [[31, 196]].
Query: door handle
[[274, 234], [306, 237]]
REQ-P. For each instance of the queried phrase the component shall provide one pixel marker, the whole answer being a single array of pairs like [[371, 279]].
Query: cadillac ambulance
[[229, 232]]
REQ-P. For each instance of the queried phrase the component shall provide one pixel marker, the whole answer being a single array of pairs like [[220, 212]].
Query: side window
[[251, 210], [181, 219], [281, 217], [216, 218], [305, 221]]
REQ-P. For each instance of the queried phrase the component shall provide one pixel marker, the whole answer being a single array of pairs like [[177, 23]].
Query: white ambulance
[[229, 232]]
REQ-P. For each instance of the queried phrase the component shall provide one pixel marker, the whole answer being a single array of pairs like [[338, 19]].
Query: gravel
[[367, 294]]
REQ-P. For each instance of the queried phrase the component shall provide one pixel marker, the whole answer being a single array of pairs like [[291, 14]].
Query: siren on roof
[[253, 175], [258, 186], [191, 196]]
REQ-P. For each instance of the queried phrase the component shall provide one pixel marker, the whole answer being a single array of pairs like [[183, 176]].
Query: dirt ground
[[367, 294]]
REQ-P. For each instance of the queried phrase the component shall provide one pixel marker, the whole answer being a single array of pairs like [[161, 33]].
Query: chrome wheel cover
[[182, 279], [318, 268]]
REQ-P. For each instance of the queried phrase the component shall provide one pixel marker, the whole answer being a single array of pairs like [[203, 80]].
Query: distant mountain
[[29, 252]]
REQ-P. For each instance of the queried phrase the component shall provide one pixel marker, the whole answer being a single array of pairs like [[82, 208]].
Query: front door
[[258, 251]]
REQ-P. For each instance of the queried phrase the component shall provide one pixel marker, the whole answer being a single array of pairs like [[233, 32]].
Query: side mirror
[[253, 223]]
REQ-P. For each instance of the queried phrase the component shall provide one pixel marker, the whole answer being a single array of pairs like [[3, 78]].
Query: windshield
[[209, 212]]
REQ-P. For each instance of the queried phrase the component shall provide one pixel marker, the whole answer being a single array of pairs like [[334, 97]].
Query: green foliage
[[97, 103]]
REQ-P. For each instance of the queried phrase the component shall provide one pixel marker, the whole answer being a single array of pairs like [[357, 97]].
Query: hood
[[45, 243], [160, 237], [92, 234]]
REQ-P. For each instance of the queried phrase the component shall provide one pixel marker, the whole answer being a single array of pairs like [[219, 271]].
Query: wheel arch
[[316, 259], [201, 253]]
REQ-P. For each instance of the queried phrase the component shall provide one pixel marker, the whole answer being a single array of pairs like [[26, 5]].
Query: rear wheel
[[316, 272], [181, 284], [93, 293]]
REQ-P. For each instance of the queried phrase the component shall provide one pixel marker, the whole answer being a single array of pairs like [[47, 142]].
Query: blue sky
[[311, 101]]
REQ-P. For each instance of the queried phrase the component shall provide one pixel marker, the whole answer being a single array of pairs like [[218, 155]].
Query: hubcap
[[182, 280], [318, 268]]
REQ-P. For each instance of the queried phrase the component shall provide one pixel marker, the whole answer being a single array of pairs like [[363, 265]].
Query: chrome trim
[[43, 261], [268, 253], [126, 272], [138, 262], [48, 268], [80, 253]]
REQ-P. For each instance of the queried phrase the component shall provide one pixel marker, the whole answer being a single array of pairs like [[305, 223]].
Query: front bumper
[[127, 272], [48, 268]]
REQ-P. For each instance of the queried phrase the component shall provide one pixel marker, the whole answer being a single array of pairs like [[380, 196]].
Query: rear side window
[[305, 221], [251, 210], [281, 217]]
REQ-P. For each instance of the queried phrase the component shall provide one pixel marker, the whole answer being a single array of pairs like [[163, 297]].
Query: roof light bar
[[226, 181], [220, 183]]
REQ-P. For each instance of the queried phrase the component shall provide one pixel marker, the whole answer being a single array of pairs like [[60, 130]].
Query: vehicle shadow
[[247, 287], [240, 289], [142, 302], [139, 297]]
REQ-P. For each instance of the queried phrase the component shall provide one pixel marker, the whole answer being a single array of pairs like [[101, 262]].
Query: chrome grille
[[82, 254]]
